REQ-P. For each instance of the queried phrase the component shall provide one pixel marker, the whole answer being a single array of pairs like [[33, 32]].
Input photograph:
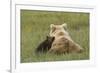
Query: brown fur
[[63, 42]]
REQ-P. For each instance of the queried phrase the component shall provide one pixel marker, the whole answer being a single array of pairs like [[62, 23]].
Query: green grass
[[35, 25]]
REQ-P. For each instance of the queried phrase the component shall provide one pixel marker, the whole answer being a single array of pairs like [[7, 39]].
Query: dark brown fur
[[44, 46]]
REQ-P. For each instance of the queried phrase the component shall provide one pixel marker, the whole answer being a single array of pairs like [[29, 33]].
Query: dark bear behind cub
[[44, 46]]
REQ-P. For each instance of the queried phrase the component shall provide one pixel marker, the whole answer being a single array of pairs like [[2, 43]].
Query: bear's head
[[50, 39], [56, 30]]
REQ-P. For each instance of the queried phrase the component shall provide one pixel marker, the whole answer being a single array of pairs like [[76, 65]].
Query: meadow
[[35, 26]]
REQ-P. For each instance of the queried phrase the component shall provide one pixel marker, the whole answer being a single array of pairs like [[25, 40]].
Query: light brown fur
[[63, 42]]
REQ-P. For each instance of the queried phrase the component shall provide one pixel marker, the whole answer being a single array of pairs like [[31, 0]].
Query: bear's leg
[[52, 51], [74, 47]]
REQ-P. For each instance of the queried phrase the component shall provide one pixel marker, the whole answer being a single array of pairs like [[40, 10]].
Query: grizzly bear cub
[[44, 46]]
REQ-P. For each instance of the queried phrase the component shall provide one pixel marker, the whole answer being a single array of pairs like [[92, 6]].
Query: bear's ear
[[47, 37], [64, 25], [53, 38], [52, 25]]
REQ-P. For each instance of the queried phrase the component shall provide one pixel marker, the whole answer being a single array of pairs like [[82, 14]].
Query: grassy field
[[35, 25]]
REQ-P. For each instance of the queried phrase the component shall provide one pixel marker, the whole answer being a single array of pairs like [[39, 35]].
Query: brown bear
[[63, 42], [45, 45]]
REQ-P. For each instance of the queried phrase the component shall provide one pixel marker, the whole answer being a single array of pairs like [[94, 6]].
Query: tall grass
[[35, 26]]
